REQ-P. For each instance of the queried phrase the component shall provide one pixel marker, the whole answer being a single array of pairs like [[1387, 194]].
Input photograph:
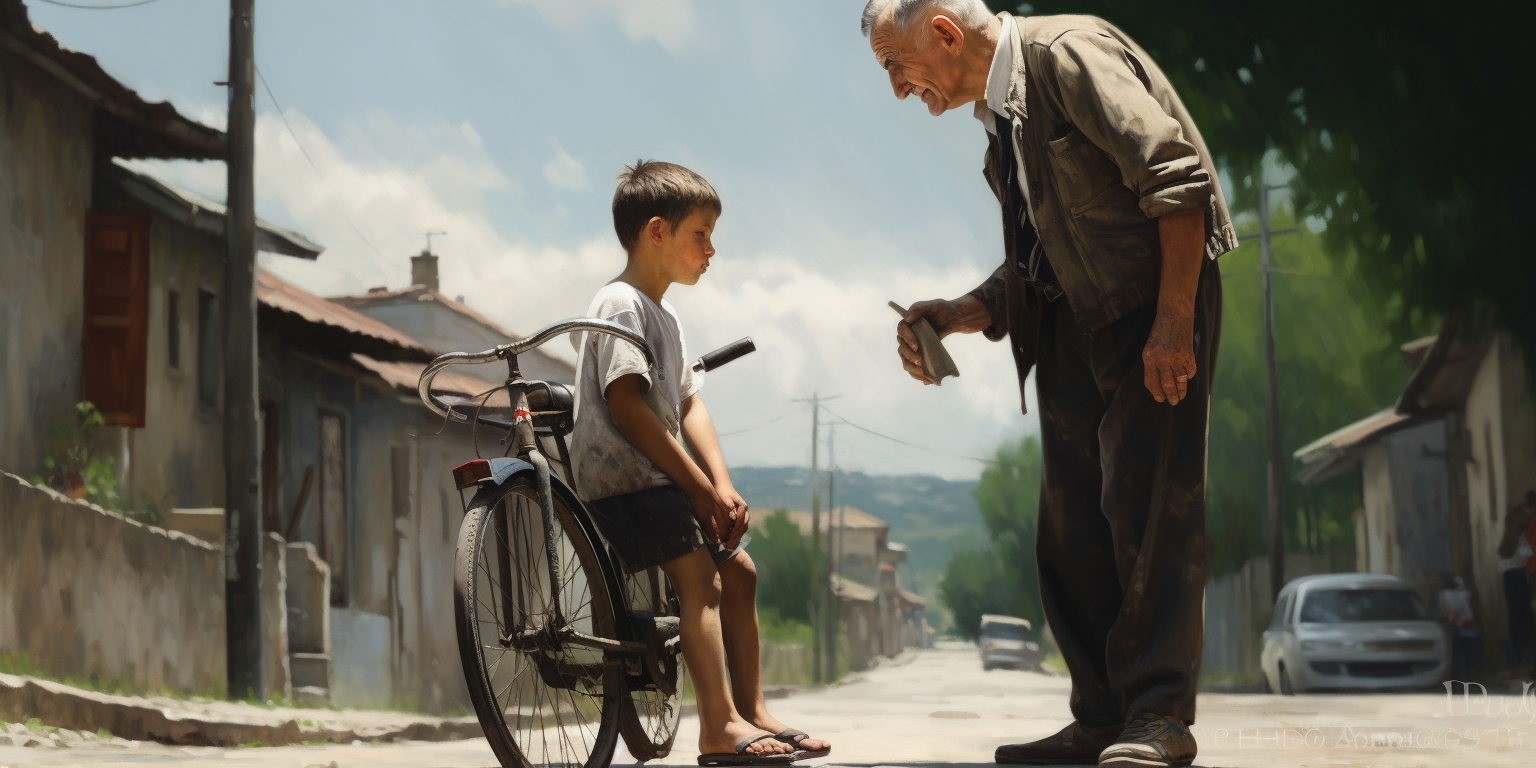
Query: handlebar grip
[[725, 354]]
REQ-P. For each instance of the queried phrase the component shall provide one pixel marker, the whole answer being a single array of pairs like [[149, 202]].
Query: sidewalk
[[83, 713]]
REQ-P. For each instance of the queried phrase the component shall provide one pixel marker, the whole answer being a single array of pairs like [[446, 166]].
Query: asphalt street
[[939, 709]]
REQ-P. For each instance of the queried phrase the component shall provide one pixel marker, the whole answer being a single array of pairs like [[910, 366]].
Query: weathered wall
[[87, 592], [45, 189]]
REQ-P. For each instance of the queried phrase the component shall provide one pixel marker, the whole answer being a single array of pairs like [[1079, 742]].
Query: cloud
[[565, 172], [671, 23], [818, 329]]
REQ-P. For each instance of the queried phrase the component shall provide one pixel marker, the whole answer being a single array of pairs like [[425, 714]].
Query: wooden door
[[334, 538], [116, 314]]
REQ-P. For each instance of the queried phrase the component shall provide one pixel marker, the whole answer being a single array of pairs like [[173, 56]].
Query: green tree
[[974, 583], [1403, 121], [783, 557], [1001, 579]]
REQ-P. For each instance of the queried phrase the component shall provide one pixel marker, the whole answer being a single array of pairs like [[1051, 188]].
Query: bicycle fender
[[505, 470]]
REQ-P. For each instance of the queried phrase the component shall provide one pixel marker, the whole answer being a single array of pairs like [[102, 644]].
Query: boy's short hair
[[652, 188]]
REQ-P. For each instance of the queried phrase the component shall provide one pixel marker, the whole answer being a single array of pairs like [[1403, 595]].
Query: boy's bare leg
[[721, 726], [738, 620]]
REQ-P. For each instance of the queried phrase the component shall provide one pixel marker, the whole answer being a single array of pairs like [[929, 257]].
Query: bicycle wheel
[[648, 717], [540, 701]]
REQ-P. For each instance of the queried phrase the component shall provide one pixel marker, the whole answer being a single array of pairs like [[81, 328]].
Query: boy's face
[[685, 250]]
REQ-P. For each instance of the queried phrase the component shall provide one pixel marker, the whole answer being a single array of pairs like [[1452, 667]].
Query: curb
[[134, 718]]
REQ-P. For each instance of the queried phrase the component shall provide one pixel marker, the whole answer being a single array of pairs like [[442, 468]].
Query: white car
[[1352, 631], [1005, 642]]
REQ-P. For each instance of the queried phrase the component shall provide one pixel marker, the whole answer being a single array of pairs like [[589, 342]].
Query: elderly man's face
[[923, 60]]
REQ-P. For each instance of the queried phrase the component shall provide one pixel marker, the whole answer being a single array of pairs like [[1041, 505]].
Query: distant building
[[881, 618]]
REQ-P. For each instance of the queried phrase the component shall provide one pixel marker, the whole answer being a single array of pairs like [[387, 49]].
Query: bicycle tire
[[648, 716], [550, 694]]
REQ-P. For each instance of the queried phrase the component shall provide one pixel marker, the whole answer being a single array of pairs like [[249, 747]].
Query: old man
[[1112, 220]]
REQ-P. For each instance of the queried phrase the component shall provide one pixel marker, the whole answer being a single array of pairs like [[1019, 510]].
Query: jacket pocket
[[1082, 172]]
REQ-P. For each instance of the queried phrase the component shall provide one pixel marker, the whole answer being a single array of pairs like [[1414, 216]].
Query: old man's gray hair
[[969, 13]]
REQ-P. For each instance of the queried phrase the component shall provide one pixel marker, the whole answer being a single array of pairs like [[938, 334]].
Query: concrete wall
[[1501, 430], [87, 592], [45, 189]]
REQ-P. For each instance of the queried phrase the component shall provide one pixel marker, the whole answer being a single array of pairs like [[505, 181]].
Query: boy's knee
[[739, 575]]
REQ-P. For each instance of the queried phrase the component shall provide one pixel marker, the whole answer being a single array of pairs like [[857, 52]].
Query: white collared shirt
[[998, 78]]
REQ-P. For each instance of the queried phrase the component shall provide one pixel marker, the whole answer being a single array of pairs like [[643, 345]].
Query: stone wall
[[88, 592]]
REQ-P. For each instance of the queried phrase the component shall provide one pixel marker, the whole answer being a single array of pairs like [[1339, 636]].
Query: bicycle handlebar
[[437, 406], [725, 354]]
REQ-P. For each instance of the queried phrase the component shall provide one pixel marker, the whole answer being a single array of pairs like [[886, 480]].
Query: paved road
[[938, 709]]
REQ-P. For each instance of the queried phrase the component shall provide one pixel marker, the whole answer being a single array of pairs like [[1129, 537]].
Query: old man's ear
[[947, 33]]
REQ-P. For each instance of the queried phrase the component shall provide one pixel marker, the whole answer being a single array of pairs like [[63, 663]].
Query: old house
[[871, 603]]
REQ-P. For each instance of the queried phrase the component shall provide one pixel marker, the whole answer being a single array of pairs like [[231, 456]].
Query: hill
[[931, 515]]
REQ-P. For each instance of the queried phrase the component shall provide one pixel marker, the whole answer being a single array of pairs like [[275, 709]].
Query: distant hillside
[[931, 515]]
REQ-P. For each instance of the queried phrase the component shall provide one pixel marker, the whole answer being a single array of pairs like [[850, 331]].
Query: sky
[[504, 123]]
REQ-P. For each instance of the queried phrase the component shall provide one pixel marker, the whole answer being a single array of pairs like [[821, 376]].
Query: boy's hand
[[716, 514], [743, 517]]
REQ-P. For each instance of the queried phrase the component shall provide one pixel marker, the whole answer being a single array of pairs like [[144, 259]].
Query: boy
[[656, 503]]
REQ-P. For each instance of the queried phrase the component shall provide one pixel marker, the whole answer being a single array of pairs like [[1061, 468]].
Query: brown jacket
[[1108, 149]]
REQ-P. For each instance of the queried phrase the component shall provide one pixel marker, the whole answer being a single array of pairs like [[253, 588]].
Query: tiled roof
[[277, 294], [852, 518]]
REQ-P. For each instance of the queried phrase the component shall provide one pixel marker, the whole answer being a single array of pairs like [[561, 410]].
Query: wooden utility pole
[[817, 579], [1276, 523], [831, 603], [242, 491]]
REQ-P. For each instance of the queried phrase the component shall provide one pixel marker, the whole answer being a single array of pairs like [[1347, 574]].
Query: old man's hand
[[963, 315], [1168, 360]]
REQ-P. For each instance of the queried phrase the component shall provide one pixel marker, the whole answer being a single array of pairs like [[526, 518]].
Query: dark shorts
[[654, 526]]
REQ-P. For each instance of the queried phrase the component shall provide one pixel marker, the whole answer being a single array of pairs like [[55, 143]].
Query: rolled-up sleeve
[[1101, 86], [992, 294]]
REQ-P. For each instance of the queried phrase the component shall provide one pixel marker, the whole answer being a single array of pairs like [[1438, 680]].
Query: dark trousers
[[1517, 601], [1121, 545]]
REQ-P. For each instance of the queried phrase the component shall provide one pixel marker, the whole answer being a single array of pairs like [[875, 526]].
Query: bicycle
[[555, 640]]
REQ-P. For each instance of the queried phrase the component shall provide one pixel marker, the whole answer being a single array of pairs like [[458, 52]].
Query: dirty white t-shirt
[[603, 461]]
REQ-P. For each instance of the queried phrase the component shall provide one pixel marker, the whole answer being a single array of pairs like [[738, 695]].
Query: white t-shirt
[[603, 461]]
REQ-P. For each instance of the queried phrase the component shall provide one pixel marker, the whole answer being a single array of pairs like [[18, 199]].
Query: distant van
[[1008, 642]]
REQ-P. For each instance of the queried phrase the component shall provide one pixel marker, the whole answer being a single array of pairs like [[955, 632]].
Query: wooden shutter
[[116, 314]]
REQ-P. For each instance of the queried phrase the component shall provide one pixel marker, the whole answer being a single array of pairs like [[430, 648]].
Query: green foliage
[[975, 583], [1001, 579], [75, 470], [1402, 120], [784, 559]]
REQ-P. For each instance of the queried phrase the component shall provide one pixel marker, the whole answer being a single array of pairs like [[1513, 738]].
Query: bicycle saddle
[[554, 403]]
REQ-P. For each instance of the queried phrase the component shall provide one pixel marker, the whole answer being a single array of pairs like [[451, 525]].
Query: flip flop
[[742, 757], [793, 737]]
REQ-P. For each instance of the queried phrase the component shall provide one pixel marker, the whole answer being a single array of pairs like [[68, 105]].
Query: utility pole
[[242, 492], [816, 577], [1276, 521], [832, 603]]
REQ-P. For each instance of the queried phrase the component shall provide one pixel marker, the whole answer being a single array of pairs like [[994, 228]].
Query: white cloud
[[671, 23], [565, 172], [818, 328]]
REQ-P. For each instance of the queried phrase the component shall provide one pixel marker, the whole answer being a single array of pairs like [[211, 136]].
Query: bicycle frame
[[524, 440]]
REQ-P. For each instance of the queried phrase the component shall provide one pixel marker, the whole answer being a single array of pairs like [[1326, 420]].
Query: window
[[173, 329], [208, 343], [1343, 606], [116, 339], [1282, 606], [333, 505]]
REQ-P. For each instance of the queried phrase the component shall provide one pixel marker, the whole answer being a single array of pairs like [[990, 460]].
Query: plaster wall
[[46, 153], [88, 593]]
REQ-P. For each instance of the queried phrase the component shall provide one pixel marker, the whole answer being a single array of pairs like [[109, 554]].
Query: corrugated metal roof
[[1339, 450], [204, 214], [280, 295], [127, 125], [853, 519]]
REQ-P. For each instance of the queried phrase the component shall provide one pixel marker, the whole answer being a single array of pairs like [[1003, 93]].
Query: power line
[[305, 152], [83, 7], [774, 420], [903, 442]]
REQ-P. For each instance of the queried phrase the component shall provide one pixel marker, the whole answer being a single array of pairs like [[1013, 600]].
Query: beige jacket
[[1109, 148]]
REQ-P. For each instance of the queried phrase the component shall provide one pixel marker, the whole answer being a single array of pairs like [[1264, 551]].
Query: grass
[[1054, 663]]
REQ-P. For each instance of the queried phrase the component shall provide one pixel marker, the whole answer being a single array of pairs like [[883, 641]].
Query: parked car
[[1007, 641], [1352, 631]]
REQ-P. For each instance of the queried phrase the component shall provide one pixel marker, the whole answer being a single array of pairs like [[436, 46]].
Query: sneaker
[[1076, 744], [1149, 739]]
